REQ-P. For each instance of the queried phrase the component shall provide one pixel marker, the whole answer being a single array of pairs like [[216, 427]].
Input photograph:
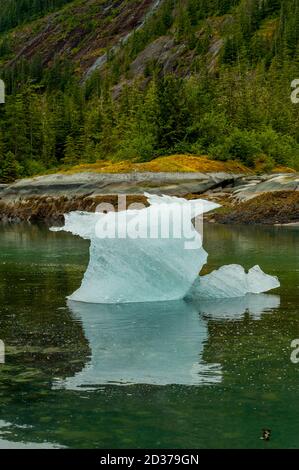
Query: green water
[[148, 376]]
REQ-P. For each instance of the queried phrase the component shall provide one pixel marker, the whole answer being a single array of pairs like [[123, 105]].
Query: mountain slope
[[106, 79], [81, 31]]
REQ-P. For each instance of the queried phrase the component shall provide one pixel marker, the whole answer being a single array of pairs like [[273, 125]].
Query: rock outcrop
[[80, 184], [49, 197], [255, 186]]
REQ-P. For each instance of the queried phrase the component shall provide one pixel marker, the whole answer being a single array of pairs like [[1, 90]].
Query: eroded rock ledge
[[49, 197]]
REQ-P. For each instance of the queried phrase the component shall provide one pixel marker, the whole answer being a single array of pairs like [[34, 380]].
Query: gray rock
[[278, 182], [83, 184]]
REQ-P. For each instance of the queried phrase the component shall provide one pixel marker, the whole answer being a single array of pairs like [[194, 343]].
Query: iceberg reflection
[[154, 343], [234, 309]]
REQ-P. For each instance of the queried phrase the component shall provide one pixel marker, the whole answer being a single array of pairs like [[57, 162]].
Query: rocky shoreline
[[267, 199]]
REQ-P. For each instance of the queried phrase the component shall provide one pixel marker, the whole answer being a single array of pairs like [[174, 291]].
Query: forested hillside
[[15, 12], [90, 80]]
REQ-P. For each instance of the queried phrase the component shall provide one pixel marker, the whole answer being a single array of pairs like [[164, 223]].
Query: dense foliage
[[238, 109], [15, 12]]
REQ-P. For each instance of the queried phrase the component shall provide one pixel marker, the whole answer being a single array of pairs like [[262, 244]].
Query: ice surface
[[232, 281], [144, 269], [159, 260]]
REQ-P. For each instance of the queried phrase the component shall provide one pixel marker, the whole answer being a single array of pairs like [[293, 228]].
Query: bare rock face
[[255, 186], [163, 50], [86, 184]]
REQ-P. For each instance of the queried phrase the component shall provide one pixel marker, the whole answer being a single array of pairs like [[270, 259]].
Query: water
[[149, 375]]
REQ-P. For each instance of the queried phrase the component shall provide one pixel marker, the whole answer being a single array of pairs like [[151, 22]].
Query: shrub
[[239, 145], [33, 167], [282, 148], [263, 149], [9, 168], [211, 129], [264, 163]]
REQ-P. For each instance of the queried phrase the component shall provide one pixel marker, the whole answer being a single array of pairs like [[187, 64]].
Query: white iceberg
[[154, 254], [232, 281]]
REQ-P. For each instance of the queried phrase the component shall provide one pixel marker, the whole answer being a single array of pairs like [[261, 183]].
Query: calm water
[[162, 375]]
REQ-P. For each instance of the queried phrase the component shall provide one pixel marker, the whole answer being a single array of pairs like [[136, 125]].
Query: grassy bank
[[171, 163]]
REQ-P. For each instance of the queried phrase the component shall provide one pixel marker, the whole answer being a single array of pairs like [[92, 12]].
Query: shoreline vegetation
[[171, 163], [180, 163]]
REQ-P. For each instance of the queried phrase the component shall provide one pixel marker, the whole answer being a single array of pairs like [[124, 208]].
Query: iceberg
[[155, 254]]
